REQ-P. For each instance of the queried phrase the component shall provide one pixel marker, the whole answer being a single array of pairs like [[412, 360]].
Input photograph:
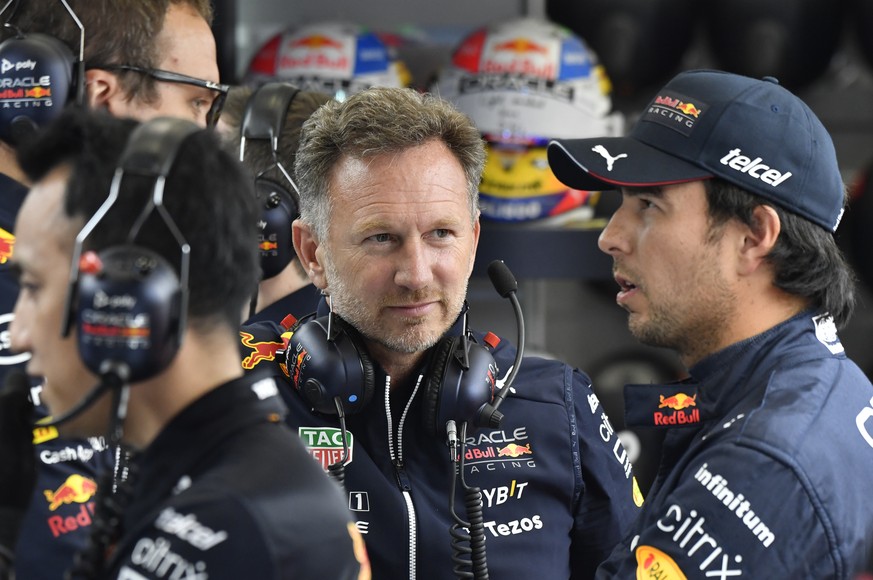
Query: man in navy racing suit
[[218, 486], [388, 230], [723, 249]]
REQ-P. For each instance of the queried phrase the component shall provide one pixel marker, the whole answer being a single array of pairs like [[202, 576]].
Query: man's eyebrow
[[649, 190]]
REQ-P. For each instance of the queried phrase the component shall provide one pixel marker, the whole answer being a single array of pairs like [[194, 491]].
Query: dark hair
[[116, 32], [207, 193], [806, 259]]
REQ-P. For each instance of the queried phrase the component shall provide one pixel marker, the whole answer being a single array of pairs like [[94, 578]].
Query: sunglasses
[[167, 76]]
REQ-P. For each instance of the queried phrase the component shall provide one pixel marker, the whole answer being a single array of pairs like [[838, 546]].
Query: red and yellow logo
[[678, 401], [7, 243], [261, 351], [652, 563], [316, 41], [521, 45], [514, 450], [76, 488]]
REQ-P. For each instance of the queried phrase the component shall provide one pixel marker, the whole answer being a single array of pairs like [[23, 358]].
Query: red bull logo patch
[[672, 405], [679, 405], [76, 489], [260, 351], [675, 111]]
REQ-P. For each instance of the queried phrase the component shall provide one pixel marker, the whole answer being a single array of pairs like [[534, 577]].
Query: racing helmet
[[333, 57], [524, 82]]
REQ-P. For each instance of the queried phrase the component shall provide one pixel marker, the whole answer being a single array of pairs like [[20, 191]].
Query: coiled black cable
[[467, 538]]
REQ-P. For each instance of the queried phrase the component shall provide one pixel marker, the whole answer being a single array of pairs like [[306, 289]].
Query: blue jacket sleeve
[[609, 499]]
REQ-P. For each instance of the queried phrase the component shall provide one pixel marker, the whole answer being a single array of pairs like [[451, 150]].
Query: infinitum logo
[[736, 503]]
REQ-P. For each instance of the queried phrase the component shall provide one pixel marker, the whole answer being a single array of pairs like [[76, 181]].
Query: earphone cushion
[[433, 383], [367, 368]]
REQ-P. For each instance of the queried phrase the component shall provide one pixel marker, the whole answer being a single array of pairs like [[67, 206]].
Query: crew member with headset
[[448, 473], [144, 266], [263, 128], [48, 45]]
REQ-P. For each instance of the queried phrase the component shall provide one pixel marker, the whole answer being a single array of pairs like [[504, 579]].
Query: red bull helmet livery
[[524, 82]]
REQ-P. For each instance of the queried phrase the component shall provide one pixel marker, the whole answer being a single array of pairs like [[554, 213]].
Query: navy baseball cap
[[753, 133]]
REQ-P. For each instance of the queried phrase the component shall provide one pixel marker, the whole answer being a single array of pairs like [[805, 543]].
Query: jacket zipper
[[400, 471]]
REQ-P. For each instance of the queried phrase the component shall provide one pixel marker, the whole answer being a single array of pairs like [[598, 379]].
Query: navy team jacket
[[766, 467], [557, 488]]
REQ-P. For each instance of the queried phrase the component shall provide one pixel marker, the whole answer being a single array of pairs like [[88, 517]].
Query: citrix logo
[[754, 167]]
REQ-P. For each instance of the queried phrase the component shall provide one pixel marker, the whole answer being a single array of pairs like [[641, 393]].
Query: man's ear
[[306, 245], [476, 232], [760, 237], [103, 90]]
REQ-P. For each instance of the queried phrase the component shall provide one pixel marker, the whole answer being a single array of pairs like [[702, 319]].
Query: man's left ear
[[760, 237], [307, 249]]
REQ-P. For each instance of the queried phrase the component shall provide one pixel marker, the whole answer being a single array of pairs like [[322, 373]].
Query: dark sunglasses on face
[[167, 76]]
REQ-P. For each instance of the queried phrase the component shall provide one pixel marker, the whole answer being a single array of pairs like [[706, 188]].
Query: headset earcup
[[452, 392], [278, 211], [321, 369], [368, 386], [129, 311], [433, 383], [40, 74]]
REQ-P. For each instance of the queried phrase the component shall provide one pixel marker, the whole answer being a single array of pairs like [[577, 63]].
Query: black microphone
[[114, 377], [506, 285]]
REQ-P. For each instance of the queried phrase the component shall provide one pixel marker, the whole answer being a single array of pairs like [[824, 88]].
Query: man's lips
[[626, 289], [414, 310]]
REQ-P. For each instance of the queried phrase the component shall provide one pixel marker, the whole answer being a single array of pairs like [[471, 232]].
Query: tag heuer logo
[[326, 444]]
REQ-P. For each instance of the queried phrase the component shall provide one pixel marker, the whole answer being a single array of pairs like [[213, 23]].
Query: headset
[[41, 75], [127, 302], [263, 120], [329, 366]]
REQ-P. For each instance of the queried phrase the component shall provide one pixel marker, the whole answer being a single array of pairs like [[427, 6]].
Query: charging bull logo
[[678, 404], [678, 401], [76, 489], [515, 450], [260, 351]]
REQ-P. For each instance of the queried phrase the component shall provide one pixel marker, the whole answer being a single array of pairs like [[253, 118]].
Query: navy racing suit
[[766, 465], [557, 487], [226, 491]]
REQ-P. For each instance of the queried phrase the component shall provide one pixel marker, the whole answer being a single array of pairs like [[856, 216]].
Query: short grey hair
[[374, 122]]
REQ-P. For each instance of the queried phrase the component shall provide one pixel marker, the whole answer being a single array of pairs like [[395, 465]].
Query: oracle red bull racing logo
[[499, 450], [680, 404], [676, 112]]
